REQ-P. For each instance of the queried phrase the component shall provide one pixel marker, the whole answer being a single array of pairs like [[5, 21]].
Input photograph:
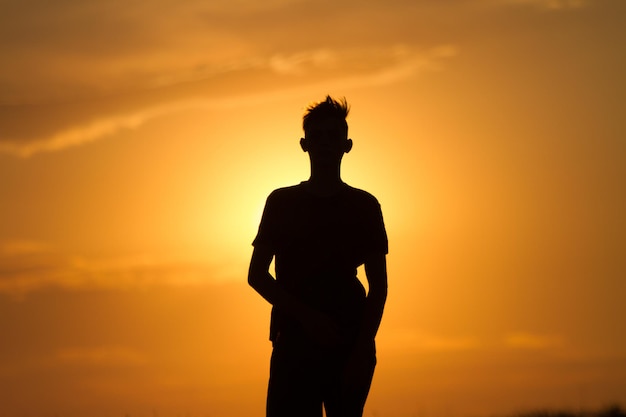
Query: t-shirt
[[318, 243]]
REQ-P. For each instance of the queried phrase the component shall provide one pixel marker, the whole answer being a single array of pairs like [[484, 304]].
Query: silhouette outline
[[323, 323]]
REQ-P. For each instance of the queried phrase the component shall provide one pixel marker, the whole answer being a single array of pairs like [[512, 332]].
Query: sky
[[139, 140]]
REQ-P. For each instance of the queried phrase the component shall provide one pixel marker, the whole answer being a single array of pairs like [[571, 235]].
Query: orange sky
[[139, 140]]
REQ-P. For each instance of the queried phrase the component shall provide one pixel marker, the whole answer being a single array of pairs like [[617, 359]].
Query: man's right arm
[[318, 325]]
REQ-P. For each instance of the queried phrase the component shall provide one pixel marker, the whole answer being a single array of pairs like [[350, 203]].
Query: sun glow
[[138, 145]]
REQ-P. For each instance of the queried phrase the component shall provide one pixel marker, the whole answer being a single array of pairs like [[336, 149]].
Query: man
[[323, 323]]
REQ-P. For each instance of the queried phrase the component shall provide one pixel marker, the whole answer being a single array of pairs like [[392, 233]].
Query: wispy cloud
[[548, 4], [30, 266], [78, 50], [322, 68], [297, 63], [532, 341], [21, 247], [80, 72], [413, 339], [410, 339], [100, 356]]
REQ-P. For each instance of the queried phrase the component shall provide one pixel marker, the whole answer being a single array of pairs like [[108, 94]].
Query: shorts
[[304, 378]]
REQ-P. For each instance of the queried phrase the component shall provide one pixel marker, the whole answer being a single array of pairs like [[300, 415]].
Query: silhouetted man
[[323, 323]]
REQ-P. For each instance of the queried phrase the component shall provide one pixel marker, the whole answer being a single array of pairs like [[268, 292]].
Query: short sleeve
[[268, 228], [378, 242], [369, 233]]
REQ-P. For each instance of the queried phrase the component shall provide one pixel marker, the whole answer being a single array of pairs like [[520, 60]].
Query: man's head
[[326, 129], [328, 109]]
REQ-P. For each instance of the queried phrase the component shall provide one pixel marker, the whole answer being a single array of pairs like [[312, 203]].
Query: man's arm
[[376, 274], [358, 367], [259, 277], [319, 326]]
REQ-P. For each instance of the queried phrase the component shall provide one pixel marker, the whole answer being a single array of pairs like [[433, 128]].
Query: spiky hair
[[327, 109]]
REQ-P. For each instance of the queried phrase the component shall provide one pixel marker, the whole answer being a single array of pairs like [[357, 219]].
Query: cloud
[[297, 63], [531, 341], [31, 266], [411, 339], [78, 50], [21, 247], [100, 356], [301, 71], [83, 71], [77, 135], [408, 339], [548, 4]]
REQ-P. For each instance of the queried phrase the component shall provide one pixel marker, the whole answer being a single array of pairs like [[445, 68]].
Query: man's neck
[[325, 184]]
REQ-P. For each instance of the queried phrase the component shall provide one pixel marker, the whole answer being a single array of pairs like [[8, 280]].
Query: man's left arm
[[376, 274], [359, 366]]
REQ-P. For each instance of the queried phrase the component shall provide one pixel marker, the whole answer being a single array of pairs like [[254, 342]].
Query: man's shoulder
[[286, 192], [360, 195], [298, 192]]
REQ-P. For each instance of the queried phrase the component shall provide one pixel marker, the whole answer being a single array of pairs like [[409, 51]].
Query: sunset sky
[[139, 140]]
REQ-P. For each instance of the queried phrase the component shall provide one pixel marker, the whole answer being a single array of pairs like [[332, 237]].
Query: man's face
[[326, 140]]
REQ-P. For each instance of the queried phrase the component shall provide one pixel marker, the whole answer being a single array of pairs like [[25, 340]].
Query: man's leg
[[348, 400], [294, 389]]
